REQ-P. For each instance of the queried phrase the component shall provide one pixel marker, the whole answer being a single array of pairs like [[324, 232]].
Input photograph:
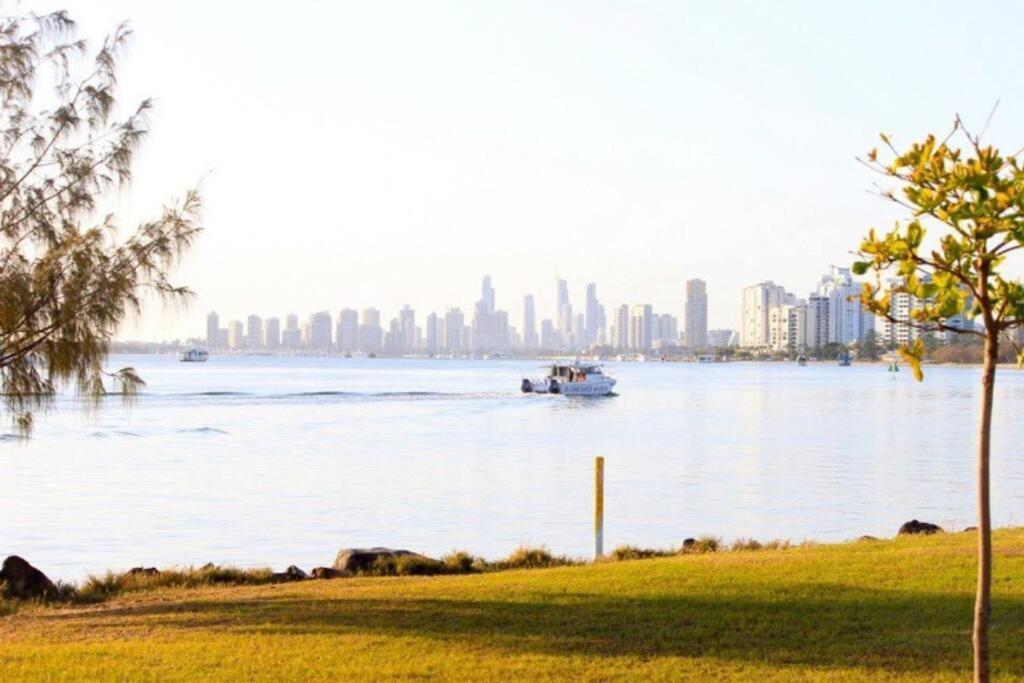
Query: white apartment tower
[[848, 322], [758, 301]]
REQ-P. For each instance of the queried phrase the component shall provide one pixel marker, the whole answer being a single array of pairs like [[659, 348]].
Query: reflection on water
[[284, 460]]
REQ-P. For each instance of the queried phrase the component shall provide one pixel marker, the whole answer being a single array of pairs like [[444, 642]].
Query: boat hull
[[597, 388]]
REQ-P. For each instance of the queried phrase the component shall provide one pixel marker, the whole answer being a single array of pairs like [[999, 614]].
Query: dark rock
[[22, 580], [326, 573], [866, 538], [357, 560], [971, 528], [143, 571], [689, 543], [916, 527], [293, 573]]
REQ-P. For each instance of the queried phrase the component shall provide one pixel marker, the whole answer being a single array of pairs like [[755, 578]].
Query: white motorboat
[[193, 355], [576, 379]]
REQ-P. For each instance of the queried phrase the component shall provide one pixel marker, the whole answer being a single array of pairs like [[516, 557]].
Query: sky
[[356, 154]]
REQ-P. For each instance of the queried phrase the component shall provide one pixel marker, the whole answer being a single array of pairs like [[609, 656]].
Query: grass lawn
[[868, 610]]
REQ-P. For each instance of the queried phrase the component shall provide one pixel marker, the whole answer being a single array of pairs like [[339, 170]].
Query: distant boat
[[577, 379], [193, 354], [844, 360]]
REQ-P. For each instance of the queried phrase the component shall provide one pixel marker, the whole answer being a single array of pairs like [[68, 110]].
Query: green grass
[[866, 610]]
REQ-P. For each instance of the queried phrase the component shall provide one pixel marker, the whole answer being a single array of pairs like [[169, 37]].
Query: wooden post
[[598, 507]]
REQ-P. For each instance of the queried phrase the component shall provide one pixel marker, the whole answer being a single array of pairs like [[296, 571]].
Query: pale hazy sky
[[382, 153]]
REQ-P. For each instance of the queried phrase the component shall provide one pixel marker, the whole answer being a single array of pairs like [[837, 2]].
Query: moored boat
[[575, 379], [193, 354]]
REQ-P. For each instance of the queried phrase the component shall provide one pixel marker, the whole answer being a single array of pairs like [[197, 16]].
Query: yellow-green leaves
[[913, 354]]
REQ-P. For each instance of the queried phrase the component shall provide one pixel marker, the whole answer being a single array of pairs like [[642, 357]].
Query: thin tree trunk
[[983, 600]]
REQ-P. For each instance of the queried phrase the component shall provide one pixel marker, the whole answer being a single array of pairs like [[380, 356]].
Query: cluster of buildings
[[772, 318], [629, 328]]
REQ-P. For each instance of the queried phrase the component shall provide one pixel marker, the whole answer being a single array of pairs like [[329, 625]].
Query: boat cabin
[[574, 373]]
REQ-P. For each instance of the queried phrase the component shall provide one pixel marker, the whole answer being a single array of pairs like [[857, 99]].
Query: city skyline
[[630, 158]]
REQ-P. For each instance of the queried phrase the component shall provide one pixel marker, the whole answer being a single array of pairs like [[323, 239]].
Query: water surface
[[277, 461]]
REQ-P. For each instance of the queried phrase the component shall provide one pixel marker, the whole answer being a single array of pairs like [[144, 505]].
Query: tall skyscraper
[[696, 314], [346, 336], [594, 316], [272, 334], [408, 335], [529, 323], [291, 338], [454, 323], [235, 335], [563, 312], [430, 337], [320, 331], [487, 293], [254, 332], [548, 335], [371, 336], [641, 327], [621, 337], [212, 330]]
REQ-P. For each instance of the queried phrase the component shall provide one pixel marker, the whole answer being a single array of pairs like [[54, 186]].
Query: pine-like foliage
[[67, 280]]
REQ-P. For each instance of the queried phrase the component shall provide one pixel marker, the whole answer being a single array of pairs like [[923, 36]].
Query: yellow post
[[598, 507]]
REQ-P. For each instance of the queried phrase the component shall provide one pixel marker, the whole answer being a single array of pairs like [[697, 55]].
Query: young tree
[[67, 280], [975, 200]]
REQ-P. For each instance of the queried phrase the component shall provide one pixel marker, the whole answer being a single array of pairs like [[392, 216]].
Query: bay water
[[271, 461]]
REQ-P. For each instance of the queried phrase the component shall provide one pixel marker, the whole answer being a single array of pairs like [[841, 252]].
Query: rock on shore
[[22, 580], [356, 560], [916, 527]]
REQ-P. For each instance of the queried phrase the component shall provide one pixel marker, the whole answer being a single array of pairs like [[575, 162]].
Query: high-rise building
[[291, 338], [666, 328], [346, 335], [489, 325], [594, 321], [212, 329], [408, 334], [758, 301], [371, 336], [253, 333], [529, 323], [548, 335], [787, 325], [430, 338], [621, 337], [816, 331], [899, 331], [454, 326], [848, 322], [272, 334], [320, 331], [393, 337], [487, 293], [696, 314], [641, 327], [563, 311], [236, 335]]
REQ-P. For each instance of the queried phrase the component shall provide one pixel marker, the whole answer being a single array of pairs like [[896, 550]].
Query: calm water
[[275, 461]]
